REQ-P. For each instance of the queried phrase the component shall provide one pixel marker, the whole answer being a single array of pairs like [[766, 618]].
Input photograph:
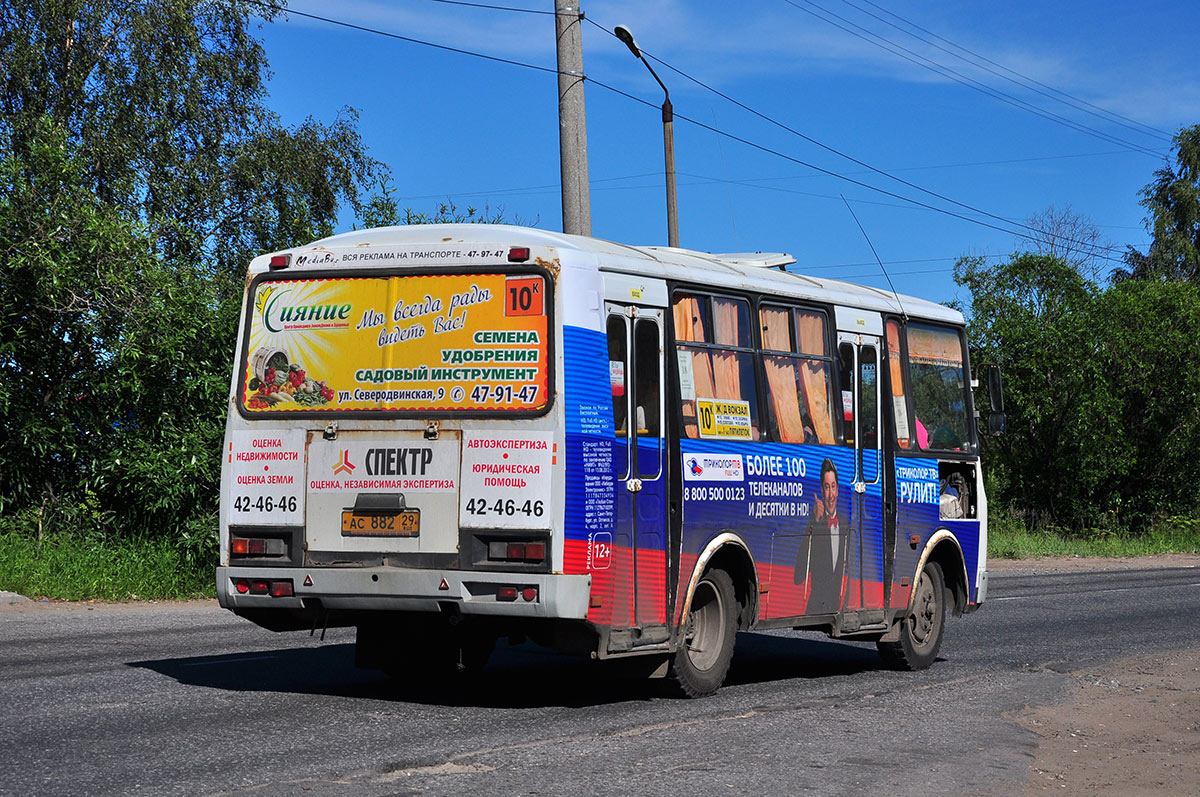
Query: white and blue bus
[[445, 435]]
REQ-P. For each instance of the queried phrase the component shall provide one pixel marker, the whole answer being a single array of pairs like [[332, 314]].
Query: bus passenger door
[[858, 357], [635, 346]]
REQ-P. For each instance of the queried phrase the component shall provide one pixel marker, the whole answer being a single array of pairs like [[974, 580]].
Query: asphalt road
[[161, 700]]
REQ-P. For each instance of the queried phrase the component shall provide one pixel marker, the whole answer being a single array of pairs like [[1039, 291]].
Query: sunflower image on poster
[[429, 342], [279, 374]]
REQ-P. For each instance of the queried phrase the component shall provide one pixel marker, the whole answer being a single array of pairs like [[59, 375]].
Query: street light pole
[[668, 117]]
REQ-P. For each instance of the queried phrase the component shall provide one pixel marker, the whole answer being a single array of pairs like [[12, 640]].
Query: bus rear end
[[392, 455]]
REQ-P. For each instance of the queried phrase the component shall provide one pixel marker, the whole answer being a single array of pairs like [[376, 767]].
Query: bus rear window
[[470, 343]]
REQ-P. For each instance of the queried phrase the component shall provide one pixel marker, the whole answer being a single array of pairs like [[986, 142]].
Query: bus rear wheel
[[921, 630], [701, 663]]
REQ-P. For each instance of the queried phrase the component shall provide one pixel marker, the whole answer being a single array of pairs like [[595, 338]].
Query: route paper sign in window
[[423, 343], [724, 419]]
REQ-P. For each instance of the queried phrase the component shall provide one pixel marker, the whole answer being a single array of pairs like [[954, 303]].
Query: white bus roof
[[757, 271]]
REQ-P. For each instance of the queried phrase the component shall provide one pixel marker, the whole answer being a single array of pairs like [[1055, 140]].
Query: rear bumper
[[398, 589]]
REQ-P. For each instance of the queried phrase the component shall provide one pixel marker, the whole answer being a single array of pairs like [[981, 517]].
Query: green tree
[[139, 170], [1172, 201], [75, 276], [1151, 368], [1102, 390], [382, 210], [1034, 316], [163, 101]]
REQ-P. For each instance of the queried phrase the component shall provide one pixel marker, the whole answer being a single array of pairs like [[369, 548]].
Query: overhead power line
[[1031, 235], [697, 123], [926, 63], [1164, 134], [834, 151], [364, 29], [493, 7]]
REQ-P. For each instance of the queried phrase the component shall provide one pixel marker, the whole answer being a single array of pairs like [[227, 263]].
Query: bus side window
[[904, 434], [796, 363], [647, 395], [868, 374], [690, 324], [617, 368], [846, 381], [937, 375], [716, 361]]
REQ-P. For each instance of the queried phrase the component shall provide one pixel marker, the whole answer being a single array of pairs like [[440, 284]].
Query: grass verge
[[1011, 539], [66, 567], [105, 567]]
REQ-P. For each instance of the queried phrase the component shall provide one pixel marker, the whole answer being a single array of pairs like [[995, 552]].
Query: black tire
[[922, 628], [700, 664]]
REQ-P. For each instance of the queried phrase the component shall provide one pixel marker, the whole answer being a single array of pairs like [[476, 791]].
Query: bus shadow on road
[[766, 657], [522, 676]]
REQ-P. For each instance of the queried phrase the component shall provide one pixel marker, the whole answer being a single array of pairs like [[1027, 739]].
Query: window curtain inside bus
[[896, 377], [782, 376], [799, 387], [689, 326], [711, 373], [726, 366], [810, 328]]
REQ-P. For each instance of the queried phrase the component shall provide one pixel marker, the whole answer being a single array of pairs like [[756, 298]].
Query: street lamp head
[[625, 35]]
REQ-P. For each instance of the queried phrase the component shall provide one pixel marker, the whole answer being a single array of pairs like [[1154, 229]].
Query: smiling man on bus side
[[822, 556]]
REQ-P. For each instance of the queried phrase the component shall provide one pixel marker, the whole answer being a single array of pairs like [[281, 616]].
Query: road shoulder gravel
[[1128, 727]]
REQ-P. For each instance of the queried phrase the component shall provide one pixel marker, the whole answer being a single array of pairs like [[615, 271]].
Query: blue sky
[[482, 133]]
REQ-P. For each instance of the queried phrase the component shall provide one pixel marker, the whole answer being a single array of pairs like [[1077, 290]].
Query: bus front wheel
[[701, 662], [921, 629]]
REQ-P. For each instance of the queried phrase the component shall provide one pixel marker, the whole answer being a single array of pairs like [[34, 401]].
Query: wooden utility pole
[[572, 123]]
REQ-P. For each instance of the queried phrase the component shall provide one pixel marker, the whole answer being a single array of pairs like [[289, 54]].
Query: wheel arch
[[944, 549], [729, 552]]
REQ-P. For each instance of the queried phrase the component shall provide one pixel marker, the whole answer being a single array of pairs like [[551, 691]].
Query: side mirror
[[995, 423], [995, 389]]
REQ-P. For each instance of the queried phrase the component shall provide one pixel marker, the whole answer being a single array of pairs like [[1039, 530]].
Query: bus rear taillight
[[259, 586], [257, 546], [509, 551], [510, 593]]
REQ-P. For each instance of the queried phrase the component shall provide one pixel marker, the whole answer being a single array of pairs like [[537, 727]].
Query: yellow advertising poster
[[456, 342]]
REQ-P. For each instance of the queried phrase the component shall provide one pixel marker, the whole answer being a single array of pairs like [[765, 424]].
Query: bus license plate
[[404, 523]]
